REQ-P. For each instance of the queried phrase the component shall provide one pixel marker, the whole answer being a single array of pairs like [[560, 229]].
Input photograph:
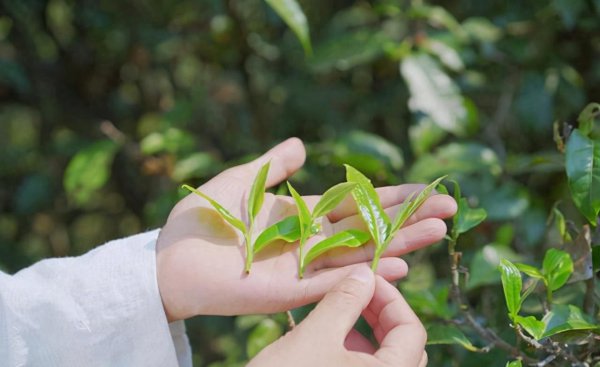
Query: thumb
[[338, 311]]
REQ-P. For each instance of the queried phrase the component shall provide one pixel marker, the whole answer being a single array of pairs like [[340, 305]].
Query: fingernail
[[362, 274]]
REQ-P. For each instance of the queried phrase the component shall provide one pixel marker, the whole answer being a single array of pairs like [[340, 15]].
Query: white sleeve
[[99, 309]]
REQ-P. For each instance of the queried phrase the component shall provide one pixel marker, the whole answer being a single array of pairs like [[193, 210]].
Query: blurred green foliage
[[107, 106]]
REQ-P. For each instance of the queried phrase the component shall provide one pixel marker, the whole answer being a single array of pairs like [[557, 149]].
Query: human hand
[[200, 258], [326, 336]]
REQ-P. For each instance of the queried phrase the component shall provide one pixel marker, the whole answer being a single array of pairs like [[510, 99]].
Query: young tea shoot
[[256, 198], [304, 225], [381, 228]]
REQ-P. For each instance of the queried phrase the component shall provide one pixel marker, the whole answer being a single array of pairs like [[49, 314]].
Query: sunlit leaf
[[89, 170], [512, 285], [287, 230], [331, 198], [448, 334], [516, 363], [221, 210], [434, 93], [557, 267], [567, 318], [582, 158], [532, 271], [369, 206], [349, 238], [292, 14], [256, 196], [587, 118], [532, 325], [405, 211], [265, 333]]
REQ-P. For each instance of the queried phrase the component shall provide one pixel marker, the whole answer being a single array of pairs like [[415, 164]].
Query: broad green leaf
[[89, 170], [532, 325], [587, 118], [256, 197], [369, 205], [265, 333], [404, 212], [566, 318], [331, 198], [304, 216], [532, 271], [466, 217], [292, 14], [434, 93], [512, 285], [348, 238], [448, 334], [287, 230], [222, 211], [557, 268], [516, 363], [582, 157], [197, 164], [378, 153]]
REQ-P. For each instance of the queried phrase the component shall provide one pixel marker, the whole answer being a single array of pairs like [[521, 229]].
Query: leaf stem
[[249, 252]]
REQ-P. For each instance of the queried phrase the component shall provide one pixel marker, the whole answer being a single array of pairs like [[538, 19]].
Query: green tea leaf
[[348, 238], [287, 230], [532, 271], [557, 268], [331, 198], [582, 159], [304, 216], [292, 14], [566, 318], [516, 363], [448, 334], [222, 211], [257, 193], [466, 217], [512, 285], [405, 212], [532, 325], [89, 170], [369, 206]]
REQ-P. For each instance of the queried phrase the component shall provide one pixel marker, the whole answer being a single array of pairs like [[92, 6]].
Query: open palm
[[200, 258]]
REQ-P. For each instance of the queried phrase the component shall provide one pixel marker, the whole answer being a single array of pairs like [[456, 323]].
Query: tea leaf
[[532, 271], [512, 285], [566, 318], [466, 217], [222, 211], [331, 198], [406, 211], [304, 216], [587, 117], [516, 363], [257, 193], [448, 334], [532, 325], [287, 230], [369, 206], [292, 14], [348, 238], [265, 333], [582, 160], [557, 267]]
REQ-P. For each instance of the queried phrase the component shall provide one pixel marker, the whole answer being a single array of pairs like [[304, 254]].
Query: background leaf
[[582, 157], [89, 170], [567, 318], [448, 334], [265, 333], [292, 14]]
